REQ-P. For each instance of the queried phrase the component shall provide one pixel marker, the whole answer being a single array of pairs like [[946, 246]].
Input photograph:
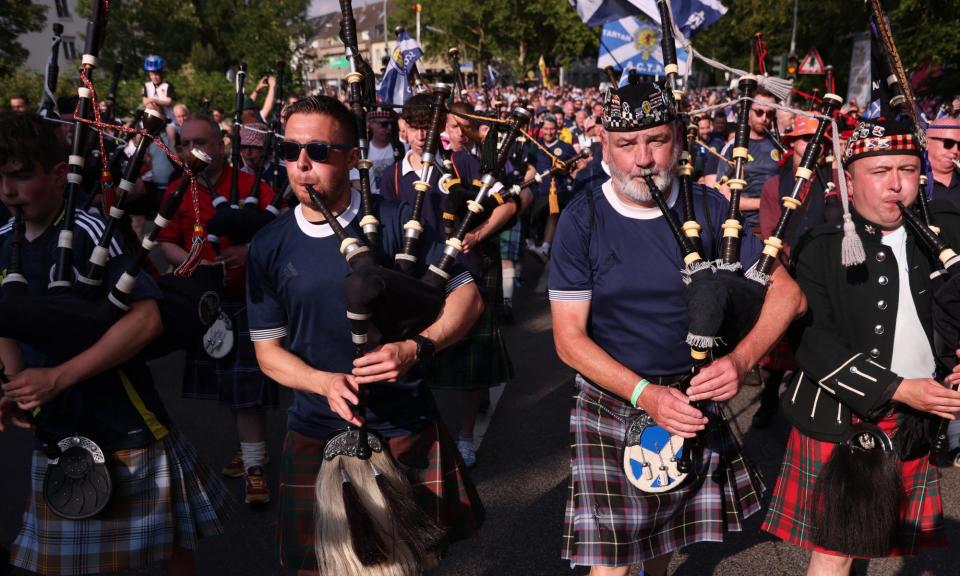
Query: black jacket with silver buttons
[[844, 344]]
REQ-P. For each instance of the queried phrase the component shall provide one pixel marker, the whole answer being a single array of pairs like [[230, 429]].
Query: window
[[63, 8], [69, 48]]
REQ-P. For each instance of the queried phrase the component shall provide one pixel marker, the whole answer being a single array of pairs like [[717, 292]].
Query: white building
[[38, 43]]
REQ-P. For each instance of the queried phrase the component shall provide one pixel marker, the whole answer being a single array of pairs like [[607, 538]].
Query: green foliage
[[200, 40], [924, 30], [517, 32], [17, 18], [21, 81]]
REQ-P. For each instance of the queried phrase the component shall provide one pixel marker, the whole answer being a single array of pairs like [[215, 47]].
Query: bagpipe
[[406, 259], [187, 300], [231, 220], [869, 456], [361, 93], [722, 305], [495, 146], [48, 99]]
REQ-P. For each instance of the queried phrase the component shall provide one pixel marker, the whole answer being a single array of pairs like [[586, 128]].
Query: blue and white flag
[[394, 87], [492, 77], [690, 16], [634, 43]]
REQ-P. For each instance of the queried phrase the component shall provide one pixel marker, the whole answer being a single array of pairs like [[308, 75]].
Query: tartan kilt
[[163, 496], [609, 522], [428, 458], [780, 357], [790, 516], [510, 241], [236, 380], [481, 360]]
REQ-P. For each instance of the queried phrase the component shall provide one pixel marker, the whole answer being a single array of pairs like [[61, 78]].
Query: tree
[[17, 18], [200, 40], [517, 32], [926, 31]]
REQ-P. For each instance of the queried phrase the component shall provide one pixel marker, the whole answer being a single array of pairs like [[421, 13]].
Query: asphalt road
[[521, 473]]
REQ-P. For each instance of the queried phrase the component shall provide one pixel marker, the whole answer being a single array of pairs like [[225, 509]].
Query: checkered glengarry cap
[[639, 106], [879, 138]]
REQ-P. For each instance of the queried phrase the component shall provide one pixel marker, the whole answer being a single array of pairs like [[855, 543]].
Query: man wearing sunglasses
[[301, 333], [764, 159], [943, 147]]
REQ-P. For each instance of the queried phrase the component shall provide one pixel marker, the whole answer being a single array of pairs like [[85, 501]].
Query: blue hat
[[154, 63]]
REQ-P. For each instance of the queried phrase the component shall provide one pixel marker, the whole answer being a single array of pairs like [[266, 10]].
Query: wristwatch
[[425, 348]]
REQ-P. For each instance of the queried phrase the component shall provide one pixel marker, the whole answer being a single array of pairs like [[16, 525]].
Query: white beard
[[633, 185]]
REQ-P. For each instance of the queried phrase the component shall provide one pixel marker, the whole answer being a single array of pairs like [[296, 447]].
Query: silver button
[[878, 329], [883, 280], [881, 256], [874, 353], [882, 305]]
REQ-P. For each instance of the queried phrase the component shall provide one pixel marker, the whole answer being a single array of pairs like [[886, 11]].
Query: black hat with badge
[[884, 136], [638, 106]]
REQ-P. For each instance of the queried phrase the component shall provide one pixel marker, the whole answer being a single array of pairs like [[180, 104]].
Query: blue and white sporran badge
[[650, 456]]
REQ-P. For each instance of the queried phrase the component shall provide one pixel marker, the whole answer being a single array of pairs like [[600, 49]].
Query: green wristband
[[638, 390]]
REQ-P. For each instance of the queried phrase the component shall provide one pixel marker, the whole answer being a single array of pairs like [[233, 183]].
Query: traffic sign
[[812, 63]]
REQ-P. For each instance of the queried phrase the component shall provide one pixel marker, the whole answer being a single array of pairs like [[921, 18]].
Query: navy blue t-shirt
[[295, 278], [542, 162], [118, 409], [628, 266], [763, 165]]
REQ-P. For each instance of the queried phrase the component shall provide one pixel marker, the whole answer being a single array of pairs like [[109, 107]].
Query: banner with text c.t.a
[[634, 43]]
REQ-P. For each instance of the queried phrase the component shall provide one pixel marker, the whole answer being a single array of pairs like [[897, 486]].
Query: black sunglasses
[[316, 151], [948, 143]]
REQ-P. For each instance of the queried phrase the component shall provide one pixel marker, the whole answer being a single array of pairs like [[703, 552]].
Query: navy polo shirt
[[295, 278], [542, 162], [628, 266]]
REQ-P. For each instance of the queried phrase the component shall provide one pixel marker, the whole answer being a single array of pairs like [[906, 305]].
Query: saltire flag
[[394, 88], [690, 16], [634, 43], [492, 77]]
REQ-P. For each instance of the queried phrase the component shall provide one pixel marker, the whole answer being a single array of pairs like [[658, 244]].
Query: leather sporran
[[77, 483]]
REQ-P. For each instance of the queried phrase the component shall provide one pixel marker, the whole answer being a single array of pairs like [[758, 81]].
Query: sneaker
[[956, 459], [255, 487], [234, 468], [467, 452]]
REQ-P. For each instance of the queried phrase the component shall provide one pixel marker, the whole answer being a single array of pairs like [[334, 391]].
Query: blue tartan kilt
[[235, 380], [609, 522], [163, 496], [510, 241]]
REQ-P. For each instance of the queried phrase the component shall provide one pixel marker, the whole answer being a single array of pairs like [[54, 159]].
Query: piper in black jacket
[[865, 350]]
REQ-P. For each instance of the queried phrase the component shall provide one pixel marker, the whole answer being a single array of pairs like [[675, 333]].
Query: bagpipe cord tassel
[[553, 199], [190, 263]]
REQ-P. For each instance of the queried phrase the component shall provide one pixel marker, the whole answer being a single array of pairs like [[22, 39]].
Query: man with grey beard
[[620, 320]]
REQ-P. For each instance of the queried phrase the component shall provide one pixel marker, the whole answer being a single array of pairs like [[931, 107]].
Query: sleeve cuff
[[862, 384], [459, 280], [268, 333], [562, 295]]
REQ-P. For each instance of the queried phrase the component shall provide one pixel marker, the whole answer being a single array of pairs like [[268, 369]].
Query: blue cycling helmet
[[154, 63]]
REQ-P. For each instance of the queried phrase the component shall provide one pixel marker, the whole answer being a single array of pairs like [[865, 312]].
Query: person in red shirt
[[235, 379]]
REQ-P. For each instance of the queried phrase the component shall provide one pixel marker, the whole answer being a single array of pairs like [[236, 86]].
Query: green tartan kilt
[[481, 359]]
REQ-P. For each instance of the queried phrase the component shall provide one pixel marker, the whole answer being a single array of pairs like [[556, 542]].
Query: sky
[[318, 7]]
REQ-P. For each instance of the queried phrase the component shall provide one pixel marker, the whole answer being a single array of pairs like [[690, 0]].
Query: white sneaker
[[467, 452]]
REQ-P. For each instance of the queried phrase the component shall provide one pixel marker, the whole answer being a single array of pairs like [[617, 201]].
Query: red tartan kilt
[[790, 516], [780, 357]]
